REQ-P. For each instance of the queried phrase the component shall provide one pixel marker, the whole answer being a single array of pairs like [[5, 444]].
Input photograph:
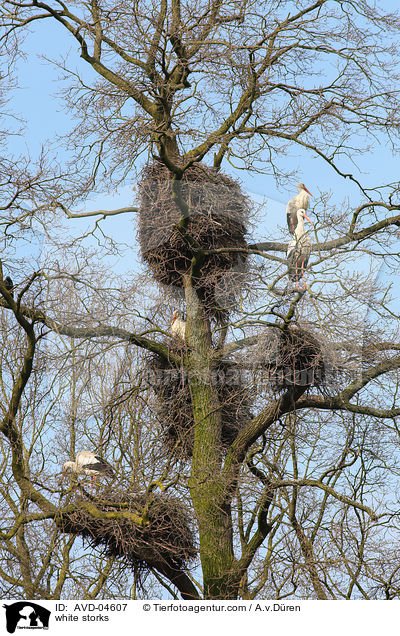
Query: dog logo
[[26, 615]]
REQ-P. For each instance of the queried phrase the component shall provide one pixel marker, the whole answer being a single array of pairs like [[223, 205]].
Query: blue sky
[[45, 116]]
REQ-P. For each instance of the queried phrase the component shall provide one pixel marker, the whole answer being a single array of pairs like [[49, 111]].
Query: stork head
[[67, 466], [300, 186], [175, 315], [301, 214]]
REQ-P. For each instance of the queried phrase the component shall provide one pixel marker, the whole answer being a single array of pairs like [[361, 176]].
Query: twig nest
[[174, 404], [293, 357], [167, 538], [214, 215]]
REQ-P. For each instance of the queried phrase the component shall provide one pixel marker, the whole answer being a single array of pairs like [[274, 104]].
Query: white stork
[[299, 202], [89, 464], [299, 250], [178, 327]]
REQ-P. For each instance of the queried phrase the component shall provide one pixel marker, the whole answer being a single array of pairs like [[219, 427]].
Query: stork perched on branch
[[89, 464], [299, 250], [300, 201], [178, 327]]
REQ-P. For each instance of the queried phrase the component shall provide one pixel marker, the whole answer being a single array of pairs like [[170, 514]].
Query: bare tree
[[278, 446]]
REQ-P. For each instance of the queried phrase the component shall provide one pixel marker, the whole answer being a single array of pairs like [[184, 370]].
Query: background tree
[[299, 501]]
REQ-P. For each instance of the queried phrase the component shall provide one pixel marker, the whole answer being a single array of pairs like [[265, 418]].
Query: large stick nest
[[175, 410], [216, 214], [293, 357], [166, 540]]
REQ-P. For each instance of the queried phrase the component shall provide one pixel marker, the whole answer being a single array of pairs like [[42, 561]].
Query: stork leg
[[297, 277], [302, 273]]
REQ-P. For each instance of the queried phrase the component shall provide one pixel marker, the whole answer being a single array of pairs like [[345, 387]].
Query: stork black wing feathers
[[9, 285], [101, 466], [291, 216], [298, 255]]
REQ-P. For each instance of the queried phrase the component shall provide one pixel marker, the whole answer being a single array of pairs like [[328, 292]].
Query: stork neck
[[304, 199], [299, 231]]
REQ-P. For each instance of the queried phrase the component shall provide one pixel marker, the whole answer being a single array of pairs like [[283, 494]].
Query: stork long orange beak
[[307, 191], [306, 217]]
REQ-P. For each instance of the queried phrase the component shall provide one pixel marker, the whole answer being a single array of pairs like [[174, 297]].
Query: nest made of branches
[[293, 357], [217, 213], [174, 404], [166, 540]]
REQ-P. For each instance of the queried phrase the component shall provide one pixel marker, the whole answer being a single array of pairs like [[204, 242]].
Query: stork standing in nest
[[299, 250], [299, 202], [89, 464], [178, 327]]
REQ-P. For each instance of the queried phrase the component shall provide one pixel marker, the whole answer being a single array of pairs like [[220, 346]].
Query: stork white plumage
[[299, 202], [89, 464], [178, 327], [299, 250]]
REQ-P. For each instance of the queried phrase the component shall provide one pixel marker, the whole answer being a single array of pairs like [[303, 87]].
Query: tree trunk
[[206, 484], [207, 491]]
